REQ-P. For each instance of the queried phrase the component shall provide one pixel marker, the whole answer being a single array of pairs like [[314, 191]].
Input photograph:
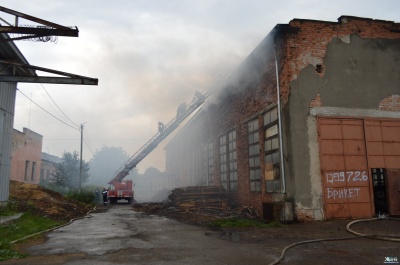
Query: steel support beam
[[66, 78], [50, 80], [47, 28]]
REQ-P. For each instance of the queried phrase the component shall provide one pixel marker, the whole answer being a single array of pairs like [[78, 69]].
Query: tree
[[151, 172], [67, 173], [105, 163]]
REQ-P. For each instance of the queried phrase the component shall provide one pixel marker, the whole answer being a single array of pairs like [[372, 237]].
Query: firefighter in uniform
[[105, 197]]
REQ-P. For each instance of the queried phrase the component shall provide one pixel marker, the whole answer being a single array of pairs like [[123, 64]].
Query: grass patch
[[26, 225], [9, 209], [233, 222]]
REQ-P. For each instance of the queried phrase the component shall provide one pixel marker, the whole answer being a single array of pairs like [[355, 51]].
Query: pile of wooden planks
[[207, 197]]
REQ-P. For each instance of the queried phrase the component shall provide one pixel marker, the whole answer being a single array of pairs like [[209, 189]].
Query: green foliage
[[105, 163], [6, 253], [233, 222], [85, 196], [91, 188], [27, 224], [67, 173], [151, 172], [30, 206], [58, 189], [10, 208]]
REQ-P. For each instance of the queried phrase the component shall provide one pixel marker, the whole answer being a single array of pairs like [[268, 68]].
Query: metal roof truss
[[46, 28], [64, 78]]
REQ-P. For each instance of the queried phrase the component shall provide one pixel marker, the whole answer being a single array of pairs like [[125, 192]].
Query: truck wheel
[[129, 201]]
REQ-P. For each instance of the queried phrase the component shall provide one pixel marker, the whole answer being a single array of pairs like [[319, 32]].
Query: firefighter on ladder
[[161, 127]]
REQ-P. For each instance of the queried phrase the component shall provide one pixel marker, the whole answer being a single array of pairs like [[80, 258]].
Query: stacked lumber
[[195, 197]]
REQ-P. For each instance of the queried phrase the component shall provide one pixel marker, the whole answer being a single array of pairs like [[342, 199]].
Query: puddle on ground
[[231, 236]]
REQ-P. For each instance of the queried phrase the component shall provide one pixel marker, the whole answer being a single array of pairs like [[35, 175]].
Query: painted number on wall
[[346, 176]]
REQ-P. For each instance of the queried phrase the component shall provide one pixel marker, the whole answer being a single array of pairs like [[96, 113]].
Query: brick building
[[330, 148], [8, 51], [48, 167], [16, 69], [26, 156]]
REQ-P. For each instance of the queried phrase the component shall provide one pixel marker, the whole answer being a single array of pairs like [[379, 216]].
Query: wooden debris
[[207, 197], [198, 204]]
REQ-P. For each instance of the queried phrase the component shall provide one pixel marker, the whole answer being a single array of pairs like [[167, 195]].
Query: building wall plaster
[[359, 78], [315, 210], [325, 68]]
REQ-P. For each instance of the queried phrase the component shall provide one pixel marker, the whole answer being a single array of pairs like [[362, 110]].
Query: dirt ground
[[332, 251], [334, 243], [45, 202], [309, 230]]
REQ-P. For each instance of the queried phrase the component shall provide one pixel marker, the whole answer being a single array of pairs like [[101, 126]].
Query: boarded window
[[271, 152]]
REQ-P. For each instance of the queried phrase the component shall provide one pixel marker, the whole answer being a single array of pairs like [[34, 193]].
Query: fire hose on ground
[[357, 236]]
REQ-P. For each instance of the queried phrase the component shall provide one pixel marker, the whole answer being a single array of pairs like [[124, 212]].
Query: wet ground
[[118, 235]]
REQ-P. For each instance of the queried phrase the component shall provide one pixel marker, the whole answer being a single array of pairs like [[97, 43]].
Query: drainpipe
[[280, 122]]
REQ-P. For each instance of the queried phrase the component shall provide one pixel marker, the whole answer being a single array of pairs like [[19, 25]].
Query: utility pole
[[80, 168]]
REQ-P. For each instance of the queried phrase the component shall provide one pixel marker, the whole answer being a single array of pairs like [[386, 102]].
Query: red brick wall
[[391, 103], [251, 91], [249, 94], [26, 146], [309, 44]]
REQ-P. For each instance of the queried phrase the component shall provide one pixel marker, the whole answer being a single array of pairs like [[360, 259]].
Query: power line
[[47, 111], [49, 103], [87, 142], [103, 139], [58, 106]]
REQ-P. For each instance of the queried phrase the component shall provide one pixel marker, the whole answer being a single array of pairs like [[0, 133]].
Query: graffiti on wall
[[343, 193], [346, 176], [346, 184]]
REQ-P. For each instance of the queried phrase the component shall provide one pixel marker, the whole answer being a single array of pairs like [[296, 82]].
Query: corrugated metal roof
[[9, 51], [51, 158]]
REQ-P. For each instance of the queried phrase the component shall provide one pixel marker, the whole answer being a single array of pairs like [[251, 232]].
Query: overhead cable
[[58, 106], [88, 145], [47, 111]]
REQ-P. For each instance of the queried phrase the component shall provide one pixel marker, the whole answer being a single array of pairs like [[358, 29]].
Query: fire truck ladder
[[183, 112]]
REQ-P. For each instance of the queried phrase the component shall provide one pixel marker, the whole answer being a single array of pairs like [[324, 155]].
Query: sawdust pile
[[45, 202]]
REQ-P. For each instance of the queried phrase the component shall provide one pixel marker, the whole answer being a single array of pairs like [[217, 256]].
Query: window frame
[[228, 161], [33, 170], [232, 161], [254, 161], [208, 152], [272, 161], [223, 174], [27, 162]]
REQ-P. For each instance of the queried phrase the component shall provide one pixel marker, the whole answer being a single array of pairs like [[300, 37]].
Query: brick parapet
[[309, 44]]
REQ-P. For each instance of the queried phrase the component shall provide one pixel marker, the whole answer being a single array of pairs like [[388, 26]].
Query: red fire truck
[[122, 191], [123, 188]]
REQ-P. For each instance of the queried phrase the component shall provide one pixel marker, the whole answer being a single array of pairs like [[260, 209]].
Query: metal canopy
[[47, 28], [66, 78]]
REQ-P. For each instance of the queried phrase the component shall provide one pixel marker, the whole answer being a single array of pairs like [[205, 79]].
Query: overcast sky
[[149, 56]]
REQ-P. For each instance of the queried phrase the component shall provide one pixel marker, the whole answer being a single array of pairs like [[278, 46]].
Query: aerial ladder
[[123, 188]]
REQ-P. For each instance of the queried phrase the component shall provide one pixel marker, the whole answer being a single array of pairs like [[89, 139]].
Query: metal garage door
[[394, 191], [383, 149], [345, 175]]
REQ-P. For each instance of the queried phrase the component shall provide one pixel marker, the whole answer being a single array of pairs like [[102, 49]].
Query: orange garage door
[[346, 179], [383, 149]]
